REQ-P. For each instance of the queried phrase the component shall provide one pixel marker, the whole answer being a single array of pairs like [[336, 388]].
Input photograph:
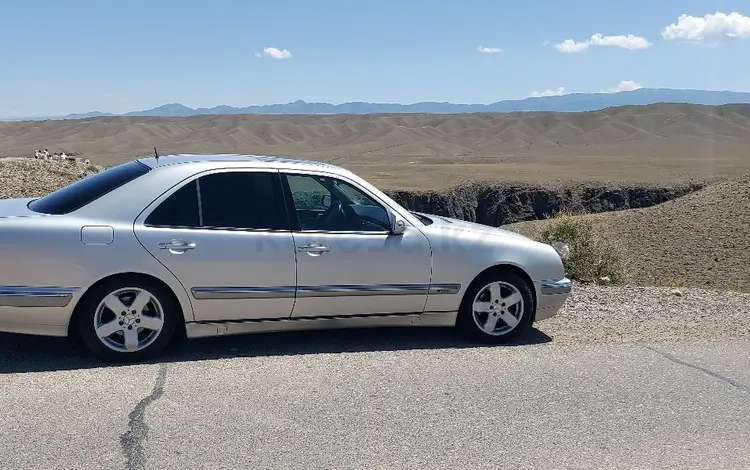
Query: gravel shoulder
[[617, 314]]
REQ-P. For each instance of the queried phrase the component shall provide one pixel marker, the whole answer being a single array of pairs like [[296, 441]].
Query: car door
[[348, 262], [225, 235]]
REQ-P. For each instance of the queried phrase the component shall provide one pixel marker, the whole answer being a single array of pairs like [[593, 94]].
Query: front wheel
[[496, 308], [127, 321]]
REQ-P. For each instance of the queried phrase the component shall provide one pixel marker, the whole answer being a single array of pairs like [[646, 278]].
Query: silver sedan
[[207, 245]]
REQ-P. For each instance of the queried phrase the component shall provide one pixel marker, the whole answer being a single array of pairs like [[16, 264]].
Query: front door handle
[[176, 246], [313, 249]]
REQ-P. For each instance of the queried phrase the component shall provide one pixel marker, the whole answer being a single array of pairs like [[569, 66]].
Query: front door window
[[328, 204]]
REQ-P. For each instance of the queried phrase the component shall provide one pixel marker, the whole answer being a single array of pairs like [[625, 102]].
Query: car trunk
[[17, 208]]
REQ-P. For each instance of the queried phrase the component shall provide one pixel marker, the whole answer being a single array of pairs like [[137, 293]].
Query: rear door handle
[[179, 246]]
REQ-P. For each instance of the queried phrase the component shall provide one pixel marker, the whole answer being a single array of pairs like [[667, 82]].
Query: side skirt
[[232, 327]]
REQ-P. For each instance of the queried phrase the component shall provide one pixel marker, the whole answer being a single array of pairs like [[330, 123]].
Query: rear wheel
[[127, 320], [496, 308]]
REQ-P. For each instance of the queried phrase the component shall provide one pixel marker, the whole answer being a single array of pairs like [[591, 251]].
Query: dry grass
[[698, 240], [592, 258], [655, 143]]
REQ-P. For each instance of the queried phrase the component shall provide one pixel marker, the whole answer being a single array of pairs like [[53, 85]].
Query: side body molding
[[342, 290]]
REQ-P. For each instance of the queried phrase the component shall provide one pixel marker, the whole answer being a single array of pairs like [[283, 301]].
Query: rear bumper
[[46, 321], [32, 328], [36, 310], [551, 295]]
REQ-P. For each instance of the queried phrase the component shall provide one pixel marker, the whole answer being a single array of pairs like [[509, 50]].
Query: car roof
[[234, 158]]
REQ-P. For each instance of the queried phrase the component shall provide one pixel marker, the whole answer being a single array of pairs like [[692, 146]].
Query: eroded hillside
[[508, 202], [698, 240]]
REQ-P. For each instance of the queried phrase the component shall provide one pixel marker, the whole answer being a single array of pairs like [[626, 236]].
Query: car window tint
[[355, 194], [324, 203], [242, 200], [178, 210], [82, 192], [308, 193]]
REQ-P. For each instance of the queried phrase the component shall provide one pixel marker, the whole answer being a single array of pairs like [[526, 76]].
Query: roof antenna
[[156, 154]]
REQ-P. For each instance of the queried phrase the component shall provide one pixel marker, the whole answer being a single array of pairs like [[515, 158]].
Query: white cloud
[[258, 54], [626, 85], [710, 26], [570, 45], [489, 50], [629, 41], [548, 92], [275, 53]]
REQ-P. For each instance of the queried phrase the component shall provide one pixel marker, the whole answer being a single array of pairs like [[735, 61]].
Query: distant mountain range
[[571, 103]]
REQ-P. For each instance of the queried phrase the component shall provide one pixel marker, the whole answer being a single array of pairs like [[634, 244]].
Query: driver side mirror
[[398, 226]]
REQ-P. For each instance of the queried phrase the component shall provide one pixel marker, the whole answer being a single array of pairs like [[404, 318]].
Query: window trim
[[141, 219], [292, 212], [200, 202]]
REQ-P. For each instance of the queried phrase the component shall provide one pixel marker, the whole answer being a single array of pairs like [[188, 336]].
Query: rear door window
[[237, 200], [243, 200]]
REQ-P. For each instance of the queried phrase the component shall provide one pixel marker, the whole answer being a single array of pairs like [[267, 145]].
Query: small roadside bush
[[592, 258]]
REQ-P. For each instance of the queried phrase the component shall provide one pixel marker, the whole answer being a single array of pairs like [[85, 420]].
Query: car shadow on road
[[23, 353]]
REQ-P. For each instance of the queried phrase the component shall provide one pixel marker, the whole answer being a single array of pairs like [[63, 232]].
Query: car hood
[[440, 222]]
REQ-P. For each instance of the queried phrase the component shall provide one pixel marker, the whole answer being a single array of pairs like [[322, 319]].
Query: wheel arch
[[503, 267], [124, 276]]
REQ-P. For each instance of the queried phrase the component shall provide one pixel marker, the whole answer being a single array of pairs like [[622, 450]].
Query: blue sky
[[61, 57]]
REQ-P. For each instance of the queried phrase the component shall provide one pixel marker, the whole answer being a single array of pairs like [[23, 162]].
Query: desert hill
[[697, 240], [650, 143]]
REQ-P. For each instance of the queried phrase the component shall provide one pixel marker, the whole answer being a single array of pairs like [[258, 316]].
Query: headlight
[[562, 249]]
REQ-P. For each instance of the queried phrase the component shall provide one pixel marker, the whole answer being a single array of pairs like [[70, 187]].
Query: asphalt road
[[378, 399]]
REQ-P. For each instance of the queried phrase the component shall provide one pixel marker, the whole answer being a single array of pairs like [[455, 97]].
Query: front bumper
[[562, 286], [551, 295]]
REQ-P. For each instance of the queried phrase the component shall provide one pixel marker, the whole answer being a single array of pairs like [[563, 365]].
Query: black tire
[[467, 323], [86, 312]]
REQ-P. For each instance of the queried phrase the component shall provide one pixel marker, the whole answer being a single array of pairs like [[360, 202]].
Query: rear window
[[82, 192]]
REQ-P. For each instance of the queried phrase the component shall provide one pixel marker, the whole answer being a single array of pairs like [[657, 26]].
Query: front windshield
[[540, 258]]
